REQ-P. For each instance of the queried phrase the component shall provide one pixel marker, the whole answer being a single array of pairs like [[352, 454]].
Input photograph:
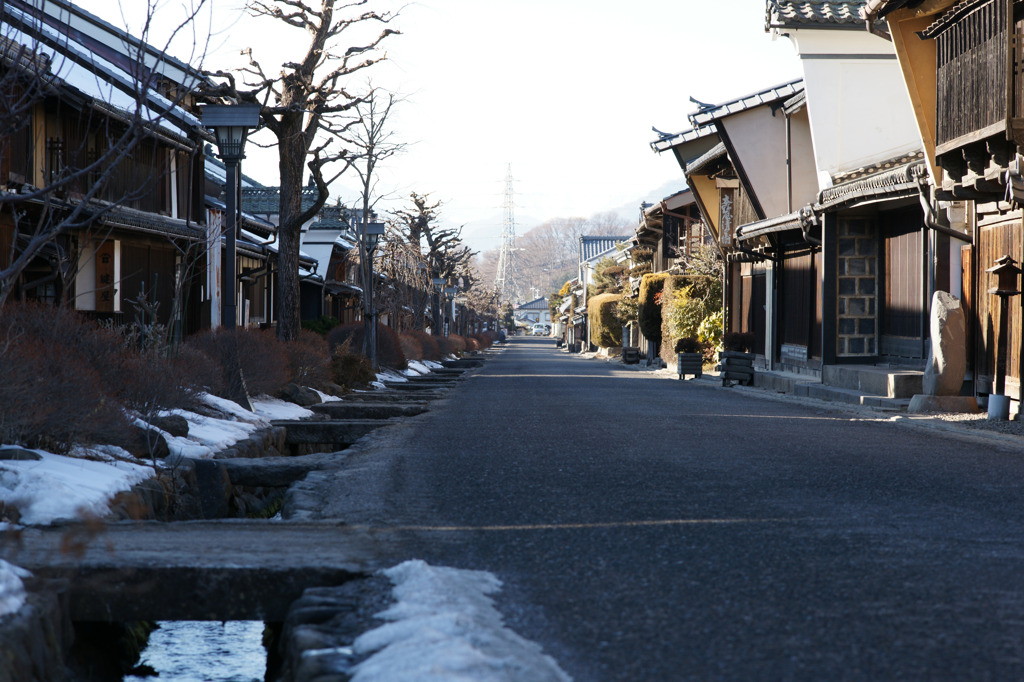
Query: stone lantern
[[1006, 274]]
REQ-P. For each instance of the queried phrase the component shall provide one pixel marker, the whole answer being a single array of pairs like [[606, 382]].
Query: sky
[[563, 93]]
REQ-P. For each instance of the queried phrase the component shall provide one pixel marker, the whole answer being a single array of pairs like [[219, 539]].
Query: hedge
[[651, 285], [605, 327]]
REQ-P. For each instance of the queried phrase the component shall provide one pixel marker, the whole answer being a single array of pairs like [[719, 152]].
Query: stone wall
[[35, 641], [857, 306]]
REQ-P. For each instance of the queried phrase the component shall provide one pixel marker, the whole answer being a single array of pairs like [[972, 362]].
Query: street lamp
[[371, 235], [437, 283], [231, 124], [449, 293]]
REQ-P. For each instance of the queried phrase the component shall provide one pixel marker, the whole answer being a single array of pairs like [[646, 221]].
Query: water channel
[[205, 651]]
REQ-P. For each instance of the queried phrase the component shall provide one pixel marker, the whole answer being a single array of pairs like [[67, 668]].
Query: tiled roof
[[266, 200], [668, 141], [899, 181], [595, 246], [813, 13], [700, 163], [768, 95]]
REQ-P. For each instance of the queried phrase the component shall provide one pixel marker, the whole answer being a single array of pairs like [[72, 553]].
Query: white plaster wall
[[859, 109], [760, 142]]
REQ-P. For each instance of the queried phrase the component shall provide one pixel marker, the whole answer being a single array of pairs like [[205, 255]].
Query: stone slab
[[203, 570], [369, 410], [922, 404], [342, 432]]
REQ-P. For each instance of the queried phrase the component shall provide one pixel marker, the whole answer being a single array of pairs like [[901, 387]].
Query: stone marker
[[947, 360]]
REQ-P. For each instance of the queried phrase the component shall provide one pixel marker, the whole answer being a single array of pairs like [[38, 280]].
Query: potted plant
[[735, 361], [689, 357]]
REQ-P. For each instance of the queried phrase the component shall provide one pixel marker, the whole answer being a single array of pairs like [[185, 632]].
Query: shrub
[[263, 360], [321, 325], [688, 344], [709, 332], [411, 346], [605, 327], [389, 347], [350, 370], [428, 344], [458, 343], [687, 301], [740, 342], [445, 346], [649, 314], [309, 359], [59, 374]]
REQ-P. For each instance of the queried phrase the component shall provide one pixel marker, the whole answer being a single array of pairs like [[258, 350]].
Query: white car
[[540, 329]]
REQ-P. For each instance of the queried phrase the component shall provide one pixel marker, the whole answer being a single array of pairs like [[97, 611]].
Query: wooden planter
[[690, 363], [736, 366]]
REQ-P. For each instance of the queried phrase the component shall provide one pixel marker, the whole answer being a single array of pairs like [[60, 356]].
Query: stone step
[[463, 363], [369, 410], [416, 385], [434, 378], [876, 381], [849, 396], [340, 432], [388, 397]]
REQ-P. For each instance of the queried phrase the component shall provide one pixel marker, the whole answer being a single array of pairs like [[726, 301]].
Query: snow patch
[[274, 408], [12, 590], [59, 487], [444, 626]]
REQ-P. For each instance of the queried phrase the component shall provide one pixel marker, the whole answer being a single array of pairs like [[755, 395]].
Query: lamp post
[[370, 237], [437, 283], [449, 294], [231, 124], [421, 294], [1005, 272]]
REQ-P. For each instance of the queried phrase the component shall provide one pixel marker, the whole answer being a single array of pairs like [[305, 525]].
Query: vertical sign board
[[105, 277]]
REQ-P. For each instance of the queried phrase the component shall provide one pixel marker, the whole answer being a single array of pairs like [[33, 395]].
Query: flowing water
[[205, 651]]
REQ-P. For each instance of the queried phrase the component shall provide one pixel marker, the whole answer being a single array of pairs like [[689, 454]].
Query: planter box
[[690, 363], [735, 366]]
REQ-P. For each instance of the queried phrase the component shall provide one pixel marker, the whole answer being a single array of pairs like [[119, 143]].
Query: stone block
[[922, 404], [947, 356]]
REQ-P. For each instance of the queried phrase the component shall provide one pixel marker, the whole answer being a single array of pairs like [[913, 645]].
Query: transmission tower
[[506, 281]]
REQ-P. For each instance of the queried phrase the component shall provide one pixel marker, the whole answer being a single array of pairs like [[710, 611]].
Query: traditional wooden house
[[961, 67], [823, 223], [332, 242], [879, 261], [102, 164]]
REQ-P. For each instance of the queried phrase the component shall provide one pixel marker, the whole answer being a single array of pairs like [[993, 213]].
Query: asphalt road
[[651, 529]]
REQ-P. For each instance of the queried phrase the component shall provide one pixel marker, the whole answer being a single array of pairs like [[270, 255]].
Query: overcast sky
[[566, 91]]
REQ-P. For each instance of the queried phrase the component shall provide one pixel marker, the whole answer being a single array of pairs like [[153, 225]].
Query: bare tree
[[83, 182], [370, 142], [442, 248], [307, 107]]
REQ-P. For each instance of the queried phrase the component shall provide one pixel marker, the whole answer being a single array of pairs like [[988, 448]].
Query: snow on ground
[[416, 368], [67, 487], [12, 590], [60, 487], [274, 408], [444, 626]]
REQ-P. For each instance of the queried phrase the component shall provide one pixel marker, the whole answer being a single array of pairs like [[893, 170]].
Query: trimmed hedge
[[605, 328], [651, 285]]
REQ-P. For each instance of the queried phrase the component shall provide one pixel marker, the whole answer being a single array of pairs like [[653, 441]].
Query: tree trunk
[[291, 164]]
